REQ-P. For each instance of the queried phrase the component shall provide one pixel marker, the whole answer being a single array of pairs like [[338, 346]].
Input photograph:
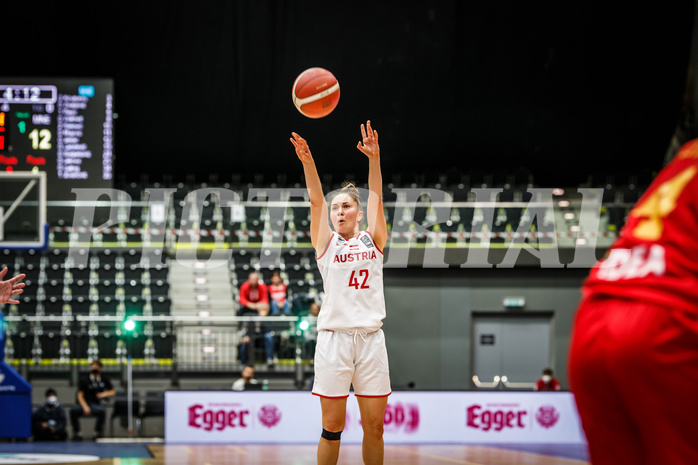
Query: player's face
[[344, 214]]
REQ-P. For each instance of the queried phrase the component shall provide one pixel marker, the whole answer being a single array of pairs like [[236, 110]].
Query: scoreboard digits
[[28, 94], [59, 125], [41, 140], [3, 132]]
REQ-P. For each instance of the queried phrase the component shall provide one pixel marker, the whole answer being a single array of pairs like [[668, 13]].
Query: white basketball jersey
[[352, 274]]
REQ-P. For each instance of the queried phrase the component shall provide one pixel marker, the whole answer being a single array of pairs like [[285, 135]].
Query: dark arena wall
[[558, 90]]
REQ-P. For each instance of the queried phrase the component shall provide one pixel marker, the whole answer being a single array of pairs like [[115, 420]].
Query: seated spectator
[[547, 382], [311, 310], [49, 420], [93, 391], [309, 317], [246, 379], [277, 292], [314, 309], [254, 301]]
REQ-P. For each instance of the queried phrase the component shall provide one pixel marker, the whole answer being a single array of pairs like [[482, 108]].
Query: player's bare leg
[[372, 418], [334, 412]]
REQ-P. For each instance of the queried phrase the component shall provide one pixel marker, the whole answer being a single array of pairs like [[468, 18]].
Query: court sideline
[[529, 454]]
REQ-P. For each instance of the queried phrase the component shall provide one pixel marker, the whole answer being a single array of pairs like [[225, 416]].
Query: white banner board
[[411, 417]]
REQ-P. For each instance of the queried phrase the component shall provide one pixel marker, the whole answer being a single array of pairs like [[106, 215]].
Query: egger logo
[[547, 416], [209, 419], [269, 415], [495, 419]]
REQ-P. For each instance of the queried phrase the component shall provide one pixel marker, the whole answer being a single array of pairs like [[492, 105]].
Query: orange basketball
[[315, 92]]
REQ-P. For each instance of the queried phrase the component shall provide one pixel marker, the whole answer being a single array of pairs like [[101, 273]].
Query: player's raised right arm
[[320, 231], [11, 287]]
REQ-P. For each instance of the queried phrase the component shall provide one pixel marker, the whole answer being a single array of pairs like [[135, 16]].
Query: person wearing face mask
[[93, 390], [547, 382], [49, 419]]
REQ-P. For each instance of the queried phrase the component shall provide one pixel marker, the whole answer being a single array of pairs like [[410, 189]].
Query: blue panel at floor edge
[[15, 403], [101, 450]]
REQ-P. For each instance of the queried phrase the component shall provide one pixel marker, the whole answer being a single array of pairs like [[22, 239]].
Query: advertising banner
[[411, 417]]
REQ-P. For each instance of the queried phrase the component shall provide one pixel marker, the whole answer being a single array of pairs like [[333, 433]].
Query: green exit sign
[[514, 302]]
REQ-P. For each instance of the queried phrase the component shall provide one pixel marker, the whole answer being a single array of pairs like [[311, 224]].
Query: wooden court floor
[[350, 454]]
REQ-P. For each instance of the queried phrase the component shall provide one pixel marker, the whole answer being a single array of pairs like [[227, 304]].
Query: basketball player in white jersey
[[350, 346]]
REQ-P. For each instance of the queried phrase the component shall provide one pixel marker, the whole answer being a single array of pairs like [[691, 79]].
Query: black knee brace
[[330, 436]]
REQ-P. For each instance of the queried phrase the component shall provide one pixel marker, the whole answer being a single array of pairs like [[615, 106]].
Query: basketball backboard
[[23, 210]]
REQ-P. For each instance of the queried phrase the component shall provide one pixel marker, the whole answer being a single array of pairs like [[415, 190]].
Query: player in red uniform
[[634, 355]]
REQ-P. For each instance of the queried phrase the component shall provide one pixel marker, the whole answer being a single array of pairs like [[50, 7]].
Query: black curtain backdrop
[[561, 89]]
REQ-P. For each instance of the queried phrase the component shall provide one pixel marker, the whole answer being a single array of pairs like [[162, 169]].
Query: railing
[[501, 382], [177, 344]]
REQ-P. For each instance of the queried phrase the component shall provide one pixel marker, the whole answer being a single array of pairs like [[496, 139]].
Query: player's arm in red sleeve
[[244, 294]]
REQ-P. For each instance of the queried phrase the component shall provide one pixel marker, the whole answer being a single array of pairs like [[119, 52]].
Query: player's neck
[[353, 235]]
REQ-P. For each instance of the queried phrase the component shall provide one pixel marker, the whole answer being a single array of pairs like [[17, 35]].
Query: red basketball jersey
[[655, 259]]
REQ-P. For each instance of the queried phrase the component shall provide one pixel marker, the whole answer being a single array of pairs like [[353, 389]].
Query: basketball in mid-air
[[315, 92]]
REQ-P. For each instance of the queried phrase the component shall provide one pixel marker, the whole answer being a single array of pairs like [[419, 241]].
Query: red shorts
[[633, 369]]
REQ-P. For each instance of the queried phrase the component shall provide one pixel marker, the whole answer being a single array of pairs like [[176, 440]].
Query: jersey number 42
[[354, 280]]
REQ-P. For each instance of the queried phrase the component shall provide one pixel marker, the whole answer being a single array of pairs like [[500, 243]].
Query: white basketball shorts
[[356, 357]]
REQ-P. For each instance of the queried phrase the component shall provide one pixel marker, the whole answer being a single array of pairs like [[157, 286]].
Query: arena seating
[[75, 311]]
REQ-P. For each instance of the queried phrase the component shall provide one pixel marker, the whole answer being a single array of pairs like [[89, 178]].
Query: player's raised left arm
[[376, 217]]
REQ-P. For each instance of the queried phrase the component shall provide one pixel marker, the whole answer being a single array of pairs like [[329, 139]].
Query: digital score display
[[63, 126]]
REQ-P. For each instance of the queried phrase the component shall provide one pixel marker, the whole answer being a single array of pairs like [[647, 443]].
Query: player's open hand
[[369, 144], [10, 288], [302, 149]]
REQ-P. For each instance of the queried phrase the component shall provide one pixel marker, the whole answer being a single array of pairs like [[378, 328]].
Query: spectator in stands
[[93, 391], [254, 301], [10, 288], [49, 419], [254, 298], [277, 292], [312, 310], [547, 382], [310, 335], [247, 377]]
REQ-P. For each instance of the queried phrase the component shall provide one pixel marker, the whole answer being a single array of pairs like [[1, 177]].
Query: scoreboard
[[63, 126]]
